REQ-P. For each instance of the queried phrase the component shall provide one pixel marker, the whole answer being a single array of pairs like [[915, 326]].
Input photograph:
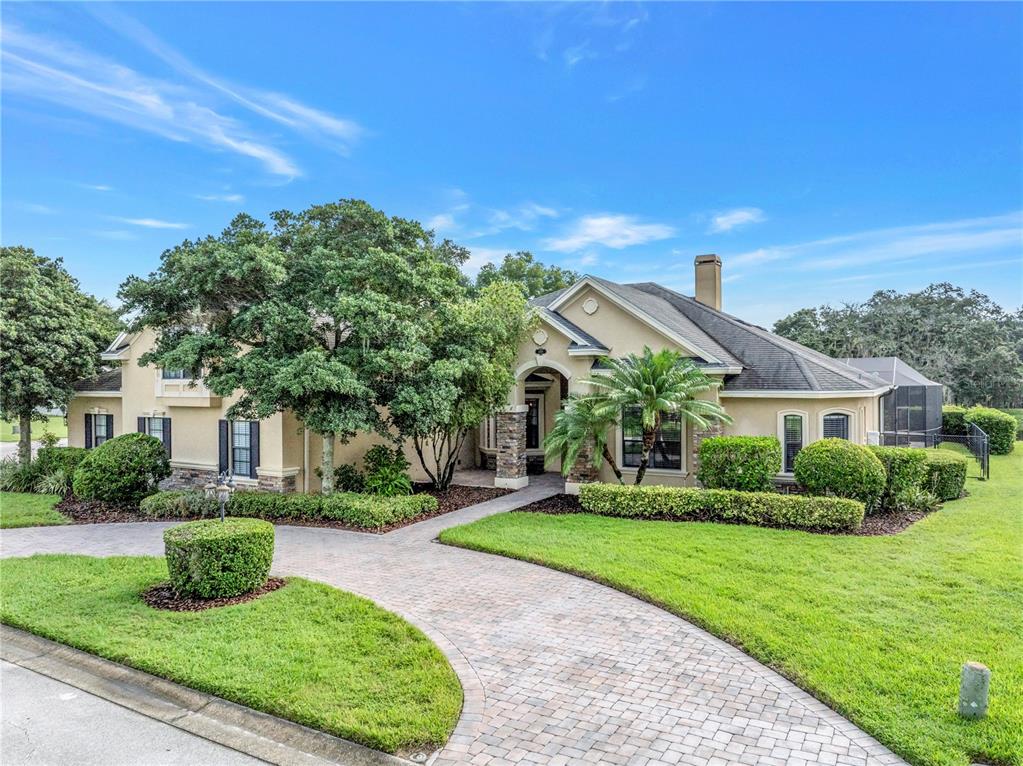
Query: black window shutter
[[253, 448], [88, 431], [142, 425], [222, 429], [110, 426], [167, 436]]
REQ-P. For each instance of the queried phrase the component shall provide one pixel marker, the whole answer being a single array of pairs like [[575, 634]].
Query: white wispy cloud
[[479, 256], [150, 223], [441, 222], [36, 208], [730, 219], [97, 187], [220, 197], [472, 221], [61, 72], [896, 244], [608, 230]]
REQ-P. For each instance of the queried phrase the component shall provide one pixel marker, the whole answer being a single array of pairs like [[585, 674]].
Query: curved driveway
[[556, 669]]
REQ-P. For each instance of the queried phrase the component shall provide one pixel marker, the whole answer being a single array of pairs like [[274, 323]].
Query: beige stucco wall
[[759, 416], [82, 405]]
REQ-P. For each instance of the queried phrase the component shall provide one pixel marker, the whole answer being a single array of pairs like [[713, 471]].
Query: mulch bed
[[453, 498], [873, 526], [162, 596]]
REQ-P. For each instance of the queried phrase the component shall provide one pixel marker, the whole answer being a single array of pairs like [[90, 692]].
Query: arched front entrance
[[512, 440]]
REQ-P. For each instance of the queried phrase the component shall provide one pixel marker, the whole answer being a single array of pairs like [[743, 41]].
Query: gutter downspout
[[305, 460]]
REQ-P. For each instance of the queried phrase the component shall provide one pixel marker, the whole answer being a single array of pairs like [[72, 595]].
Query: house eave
[[797, 394], [104, 394]]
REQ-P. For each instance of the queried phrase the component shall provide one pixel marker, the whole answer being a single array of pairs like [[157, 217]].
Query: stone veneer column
[[697, 440], [511, 448], [583, 471]]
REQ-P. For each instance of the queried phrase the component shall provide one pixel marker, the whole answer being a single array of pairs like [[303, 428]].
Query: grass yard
[[20, 509], [877, 627], [55, 425], [307, 652]]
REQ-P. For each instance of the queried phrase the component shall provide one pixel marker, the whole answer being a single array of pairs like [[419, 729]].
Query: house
[[769, 386]]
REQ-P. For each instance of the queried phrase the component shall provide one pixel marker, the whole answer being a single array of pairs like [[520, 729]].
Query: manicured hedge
[[66, 459], [219, 559], [122, 470], [905, 470], [179, 504], [747, 463], [349, 508], [765, 509], [839, 467], [953, 420], [946, 473], [999, 426]]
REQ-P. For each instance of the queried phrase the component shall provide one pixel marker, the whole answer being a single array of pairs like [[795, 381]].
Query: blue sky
[[824, 151]]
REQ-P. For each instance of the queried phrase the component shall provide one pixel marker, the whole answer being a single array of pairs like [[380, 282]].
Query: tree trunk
[[418, 444], [649, 437], [327, 465], [25, 440], [614, 466]]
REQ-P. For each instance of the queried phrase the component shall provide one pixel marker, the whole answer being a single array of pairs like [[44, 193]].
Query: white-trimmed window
[[241, 448], [178, 374], [666, 453], [837, 424], [792, 434]]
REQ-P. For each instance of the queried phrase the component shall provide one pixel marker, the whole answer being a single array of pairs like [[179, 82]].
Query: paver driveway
[[556, 669]]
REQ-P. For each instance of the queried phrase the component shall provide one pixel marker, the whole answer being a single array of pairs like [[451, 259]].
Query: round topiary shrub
[[122, 470], [747, 463], [839, 467], [219, 559]]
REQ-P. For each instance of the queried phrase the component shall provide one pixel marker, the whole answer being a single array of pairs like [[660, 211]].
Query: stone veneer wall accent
[[282, 484], [511, 445], [188, 478], [697, 440], [583, 472]]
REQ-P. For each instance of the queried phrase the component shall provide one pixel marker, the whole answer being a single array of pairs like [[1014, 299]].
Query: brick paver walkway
[[556, 669]]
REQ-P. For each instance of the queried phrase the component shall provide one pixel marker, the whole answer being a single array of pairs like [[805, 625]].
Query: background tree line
[[959, 338]]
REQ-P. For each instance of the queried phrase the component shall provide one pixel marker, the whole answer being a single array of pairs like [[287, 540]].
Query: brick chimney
[[708, 280]]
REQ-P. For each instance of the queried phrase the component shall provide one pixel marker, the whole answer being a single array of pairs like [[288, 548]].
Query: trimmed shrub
[[764, 509], [905, 470], [946, 474], [218, 559], [178, 504], [839, 467], [350, 508], [999, 426], [123, 470], [953, 420], [747, 463], [66, 459]]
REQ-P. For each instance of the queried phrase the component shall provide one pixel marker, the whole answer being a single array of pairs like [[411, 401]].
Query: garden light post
[[221, 490]]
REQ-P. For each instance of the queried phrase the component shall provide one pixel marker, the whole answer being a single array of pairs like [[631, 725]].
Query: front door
[[533, 404]]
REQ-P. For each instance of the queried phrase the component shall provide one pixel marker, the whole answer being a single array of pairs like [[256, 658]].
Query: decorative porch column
[[511, 447], [697, 440], [582, 471]]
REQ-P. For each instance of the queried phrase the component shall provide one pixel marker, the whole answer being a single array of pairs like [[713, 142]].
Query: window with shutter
[[101, 429], [667, 449], [793, 438], [241, 450], [836, 426]]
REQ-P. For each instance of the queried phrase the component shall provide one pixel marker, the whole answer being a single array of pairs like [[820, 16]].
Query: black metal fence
[[974, 440]]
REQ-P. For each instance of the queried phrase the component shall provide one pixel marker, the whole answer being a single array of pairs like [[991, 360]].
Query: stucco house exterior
[[769, 385]]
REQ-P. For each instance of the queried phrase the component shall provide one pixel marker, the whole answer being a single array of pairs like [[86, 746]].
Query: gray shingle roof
[[585, 339], [768, 361], [105, 381]]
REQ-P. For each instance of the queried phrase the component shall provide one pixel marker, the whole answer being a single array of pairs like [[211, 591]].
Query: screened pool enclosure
[[910, 412]]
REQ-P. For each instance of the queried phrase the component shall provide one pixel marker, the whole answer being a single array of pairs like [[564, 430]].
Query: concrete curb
[[248, 731]]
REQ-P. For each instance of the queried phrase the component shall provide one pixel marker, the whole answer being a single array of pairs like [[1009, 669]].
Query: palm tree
[[656, 384], [577, 426]]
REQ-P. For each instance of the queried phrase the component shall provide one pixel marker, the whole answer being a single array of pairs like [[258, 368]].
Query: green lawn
[[55, 425], [307, 652], [877, 627], [18, 509]]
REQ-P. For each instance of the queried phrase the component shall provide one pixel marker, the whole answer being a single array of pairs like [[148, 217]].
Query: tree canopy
[[962, 339], [52, 334], [533, 277], [333, 314]]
